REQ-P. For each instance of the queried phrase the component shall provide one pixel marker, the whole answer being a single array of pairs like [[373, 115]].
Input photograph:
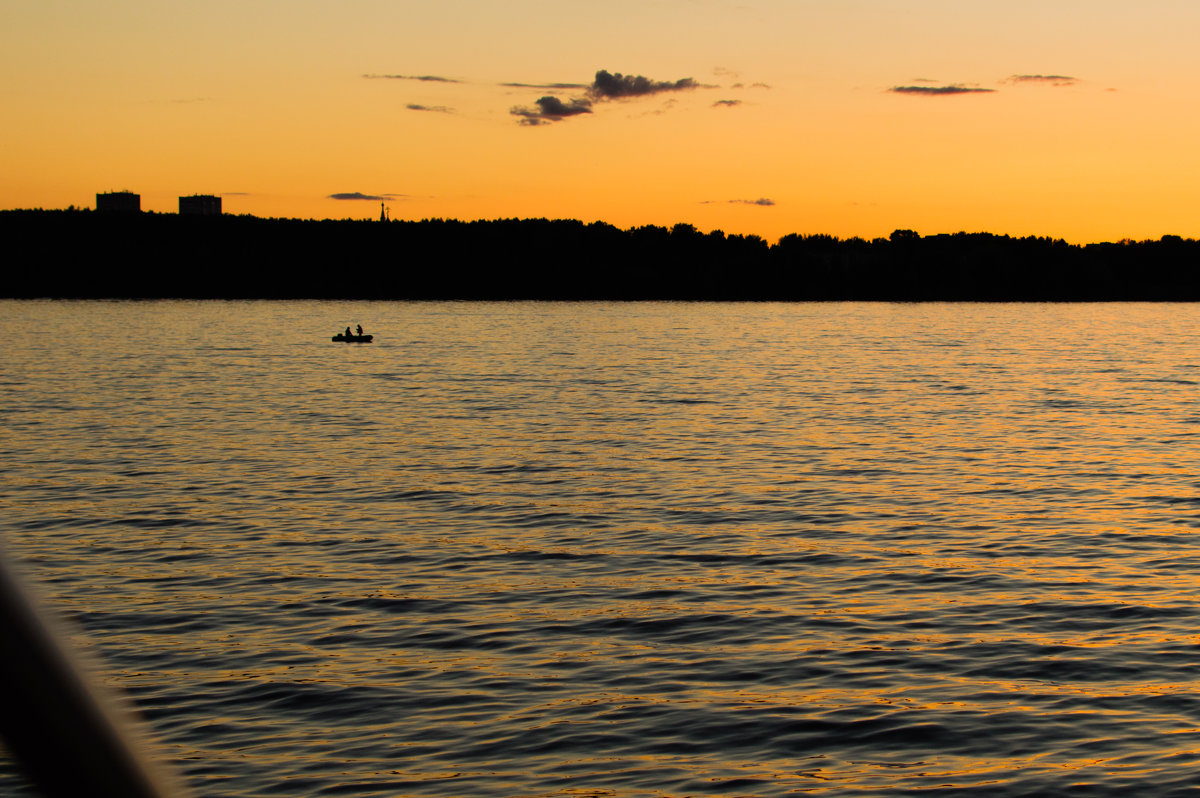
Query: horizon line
[[372, 220]]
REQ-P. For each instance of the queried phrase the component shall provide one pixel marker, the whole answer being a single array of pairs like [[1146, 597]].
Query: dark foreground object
[[66, 735], [83, 254], [354, 339]]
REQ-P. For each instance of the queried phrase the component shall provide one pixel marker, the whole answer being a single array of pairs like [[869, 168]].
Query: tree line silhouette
[[86, 254]]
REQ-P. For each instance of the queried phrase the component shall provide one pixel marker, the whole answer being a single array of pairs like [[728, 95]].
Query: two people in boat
[[349, 335]]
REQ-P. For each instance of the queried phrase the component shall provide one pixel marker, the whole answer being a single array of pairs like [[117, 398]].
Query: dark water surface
[[624, 549]]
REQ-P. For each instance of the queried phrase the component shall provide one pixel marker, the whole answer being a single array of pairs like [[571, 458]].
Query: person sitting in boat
[[347, 332], [360, 331]]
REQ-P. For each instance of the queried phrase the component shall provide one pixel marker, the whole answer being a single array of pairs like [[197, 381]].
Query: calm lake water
[[627, 550]]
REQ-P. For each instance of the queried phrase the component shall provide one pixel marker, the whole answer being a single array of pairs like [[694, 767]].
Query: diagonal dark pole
[[67, 736]]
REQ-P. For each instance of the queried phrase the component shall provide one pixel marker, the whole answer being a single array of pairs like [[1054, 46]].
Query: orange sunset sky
[[1074, 119]]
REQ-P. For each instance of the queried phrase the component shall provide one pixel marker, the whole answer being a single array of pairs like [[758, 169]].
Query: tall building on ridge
[[200, 205], [119, 202]]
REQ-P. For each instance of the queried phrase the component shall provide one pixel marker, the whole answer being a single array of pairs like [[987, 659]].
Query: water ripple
[[628, 550]]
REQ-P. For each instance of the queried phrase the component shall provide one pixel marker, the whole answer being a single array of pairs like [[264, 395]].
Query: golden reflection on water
[[627, 549]]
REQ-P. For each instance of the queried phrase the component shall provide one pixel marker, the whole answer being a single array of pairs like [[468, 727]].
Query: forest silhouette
[[87, 254]]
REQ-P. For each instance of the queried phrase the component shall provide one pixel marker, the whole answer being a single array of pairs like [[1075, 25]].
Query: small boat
[[353, 339]]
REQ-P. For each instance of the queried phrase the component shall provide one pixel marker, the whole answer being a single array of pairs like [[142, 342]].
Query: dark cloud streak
[[606, 86], [762, 202], [938, 91], [424, 78], [358, 195], [550, 109], [609, 86], [1053, 80], [441, 109], [547, 86]]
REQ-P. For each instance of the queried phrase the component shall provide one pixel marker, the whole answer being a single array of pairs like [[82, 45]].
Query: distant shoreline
[[80, 254]]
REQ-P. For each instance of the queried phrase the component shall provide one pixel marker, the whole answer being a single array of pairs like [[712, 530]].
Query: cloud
[[550, 109], [606, 86], [441, 109], [726, 103], [358, 195], [1052, 80], [547, 86], [425, 78], [759, 85], [609, 86], [762, 202], [939, 91]]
